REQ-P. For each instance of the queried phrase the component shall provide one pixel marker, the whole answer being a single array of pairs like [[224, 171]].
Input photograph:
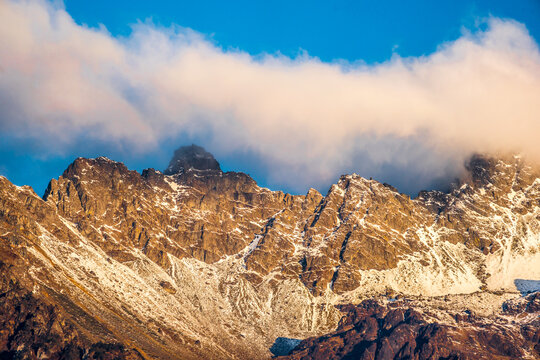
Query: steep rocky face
[[198, 213], [202, 263], [360, 225], [399, 330], [438, 243]]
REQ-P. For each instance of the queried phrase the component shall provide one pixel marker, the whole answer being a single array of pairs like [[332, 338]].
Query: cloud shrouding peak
[[410, 118]]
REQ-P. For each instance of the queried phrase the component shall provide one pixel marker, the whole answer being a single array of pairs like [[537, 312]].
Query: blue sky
[[350, 32], [353, 30]]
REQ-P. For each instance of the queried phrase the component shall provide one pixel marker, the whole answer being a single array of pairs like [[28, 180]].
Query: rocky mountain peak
[[191, 157]]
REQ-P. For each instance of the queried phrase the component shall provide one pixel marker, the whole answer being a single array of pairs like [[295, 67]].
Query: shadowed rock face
[[398, 331], [31, 328], [207, 264], [191, 157]]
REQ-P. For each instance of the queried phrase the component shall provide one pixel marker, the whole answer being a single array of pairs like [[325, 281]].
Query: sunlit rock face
[[199, 263]]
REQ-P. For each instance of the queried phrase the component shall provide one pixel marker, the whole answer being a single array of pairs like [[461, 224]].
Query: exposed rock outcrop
[[191, 157], [398, 330]]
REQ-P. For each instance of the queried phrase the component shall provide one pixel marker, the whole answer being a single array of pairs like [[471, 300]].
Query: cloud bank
[[413, 120]]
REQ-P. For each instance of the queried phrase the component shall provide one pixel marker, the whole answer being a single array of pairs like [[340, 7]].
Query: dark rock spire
[[191, 157]]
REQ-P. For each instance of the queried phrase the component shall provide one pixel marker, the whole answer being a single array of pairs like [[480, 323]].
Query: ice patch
[[527, 286], [283, 346]]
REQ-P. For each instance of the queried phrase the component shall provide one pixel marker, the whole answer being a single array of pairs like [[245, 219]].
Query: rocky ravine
[[205, 264]]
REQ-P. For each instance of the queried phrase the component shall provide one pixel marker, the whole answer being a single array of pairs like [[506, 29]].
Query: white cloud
[[307, 119]]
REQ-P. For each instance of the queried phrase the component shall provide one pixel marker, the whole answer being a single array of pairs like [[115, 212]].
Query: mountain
[[191, 157], [199, 263], [403, 330]]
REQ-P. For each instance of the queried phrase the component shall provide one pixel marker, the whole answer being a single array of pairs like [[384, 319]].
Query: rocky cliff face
[[206, 264], [403, 330]]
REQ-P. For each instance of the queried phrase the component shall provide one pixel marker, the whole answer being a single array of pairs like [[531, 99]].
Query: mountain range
[[197, 263]]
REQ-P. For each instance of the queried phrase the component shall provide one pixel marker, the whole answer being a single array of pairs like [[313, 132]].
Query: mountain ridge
[[209, 265]]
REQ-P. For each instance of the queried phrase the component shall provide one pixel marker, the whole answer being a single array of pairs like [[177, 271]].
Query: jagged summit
[[191, 157]]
